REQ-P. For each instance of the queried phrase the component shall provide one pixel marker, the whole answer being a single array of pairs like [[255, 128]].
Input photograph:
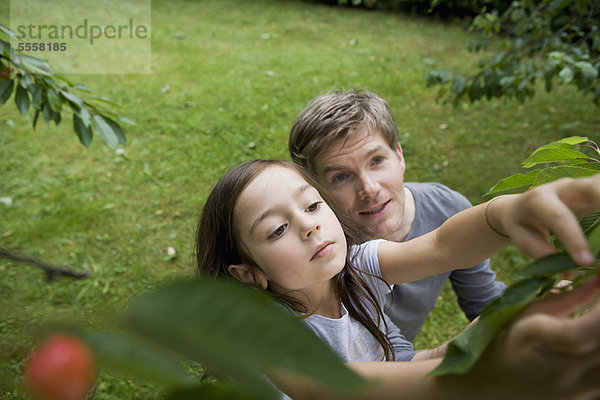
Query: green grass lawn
[[228, 78]]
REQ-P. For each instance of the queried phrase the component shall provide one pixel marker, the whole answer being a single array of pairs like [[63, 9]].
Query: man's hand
[[545, 353]]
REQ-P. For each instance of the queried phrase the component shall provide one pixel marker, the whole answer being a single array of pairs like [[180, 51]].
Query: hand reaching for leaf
[[545, 353], [551, 207]]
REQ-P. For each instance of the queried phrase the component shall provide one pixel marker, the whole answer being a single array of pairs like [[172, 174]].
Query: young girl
[[266, 224]]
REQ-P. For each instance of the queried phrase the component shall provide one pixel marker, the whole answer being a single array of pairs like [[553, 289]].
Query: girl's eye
[[278, 232], [377, 160], [314, 206]]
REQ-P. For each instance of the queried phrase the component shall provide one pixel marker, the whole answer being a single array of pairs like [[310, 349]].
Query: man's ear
[[399, 151], [400, 155], [252, 276]]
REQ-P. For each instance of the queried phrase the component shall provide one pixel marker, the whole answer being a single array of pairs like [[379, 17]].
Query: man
[[349, 141]]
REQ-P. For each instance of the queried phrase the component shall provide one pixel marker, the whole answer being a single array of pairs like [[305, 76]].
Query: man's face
[[366, 177]]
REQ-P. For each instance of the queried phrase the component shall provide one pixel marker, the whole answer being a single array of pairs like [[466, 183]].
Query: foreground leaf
[[236, 331], [132, 357], [464, 351]]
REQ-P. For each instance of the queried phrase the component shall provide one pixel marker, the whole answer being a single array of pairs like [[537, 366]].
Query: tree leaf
[[6, 88], [458, 85], [208, 391], [71, 97], [549, 265], [35, 65], [566, 75], [563, 171], [464, 351], [117, 130], [105, 100], [54, 99], [22, 100], [105, 131], [590, 221], [594, 240], [237, 331], [572, 140], [513, 184], [549, 155], [136, 358], [84, 114], [84, 133]]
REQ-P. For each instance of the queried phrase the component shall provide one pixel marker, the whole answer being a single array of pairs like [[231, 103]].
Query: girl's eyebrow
[[270, 211]]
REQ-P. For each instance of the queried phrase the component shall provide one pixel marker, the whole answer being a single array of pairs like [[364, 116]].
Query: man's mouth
[[375, 210]]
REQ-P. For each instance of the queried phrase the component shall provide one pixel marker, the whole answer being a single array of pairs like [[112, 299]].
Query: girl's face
[[290, 232]]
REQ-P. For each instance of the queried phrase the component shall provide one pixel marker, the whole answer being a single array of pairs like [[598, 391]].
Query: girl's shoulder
[[365, 251]]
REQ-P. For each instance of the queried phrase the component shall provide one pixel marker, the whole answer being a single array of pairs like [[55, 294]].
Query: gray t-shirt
[[475, 287], [348, 337]]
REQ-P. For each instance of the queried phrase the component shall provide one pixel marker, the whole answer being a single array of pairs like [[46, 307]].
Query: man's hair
[[335, 115]]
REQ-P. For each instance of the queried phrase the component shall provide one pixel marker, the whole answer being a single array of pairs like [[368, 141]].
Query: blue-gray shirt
[[348, 337], [475, 287]]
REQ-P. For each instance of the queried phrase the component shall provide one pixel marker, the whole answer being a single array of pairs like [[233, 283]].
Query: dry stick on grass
[[52, 272]]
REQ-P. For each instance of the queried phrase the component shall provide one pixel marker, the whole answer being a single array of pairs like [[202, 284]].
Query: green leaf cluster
[[549, 40], [36, 87], [563, 158], [236, 332], [567, 157]]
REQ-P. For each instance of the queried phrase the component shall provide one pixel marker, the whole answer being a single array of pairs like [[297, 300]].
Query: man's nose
[[369, 187]]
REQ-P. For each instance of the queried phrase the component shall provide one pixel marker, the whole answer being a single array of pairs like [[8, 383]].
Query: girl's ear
[[252, 276]]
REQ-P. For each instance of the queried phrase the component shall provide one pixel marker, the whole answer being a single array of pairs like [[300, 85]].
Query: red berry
[[61, 369], [11, 69], [4, 75]]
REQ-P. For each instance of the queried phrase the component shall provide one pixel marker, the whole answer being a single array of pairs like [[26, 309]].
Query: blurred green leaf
[[72, 98], [54, 99], [33, 65], [105, 100], [117, 130], [210, 391], [134, 357], [237, 331], [84, 133], [464, 351], [22, 100], [6, 88], [105, 131]]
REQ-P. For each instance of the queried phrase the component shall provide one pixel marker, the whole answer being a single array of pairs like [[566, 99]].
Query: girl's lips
[[375, 212], [324, 250]]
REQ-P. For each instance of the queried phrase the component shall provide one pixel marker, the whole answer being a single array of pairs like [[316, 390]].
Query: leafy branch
[[36, 86], [549, 40], [563, 158]]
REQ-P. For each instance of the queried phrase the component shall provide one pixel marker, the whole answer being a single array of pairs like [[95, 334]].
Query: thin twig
[[52, 272]]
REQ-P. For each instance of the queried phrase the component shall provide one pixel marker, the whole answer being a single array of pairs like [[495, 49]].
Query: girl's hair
[[218, 246]]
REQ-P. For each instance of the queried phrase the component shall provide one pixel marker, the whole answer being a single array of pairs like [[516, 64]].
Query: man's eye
[[339, 178], [278, 232], [377, 160], [314, 206]]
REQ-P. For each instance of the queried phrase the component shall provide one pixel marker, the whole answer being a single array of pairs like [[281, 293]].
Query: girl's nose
[[311, 230]]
